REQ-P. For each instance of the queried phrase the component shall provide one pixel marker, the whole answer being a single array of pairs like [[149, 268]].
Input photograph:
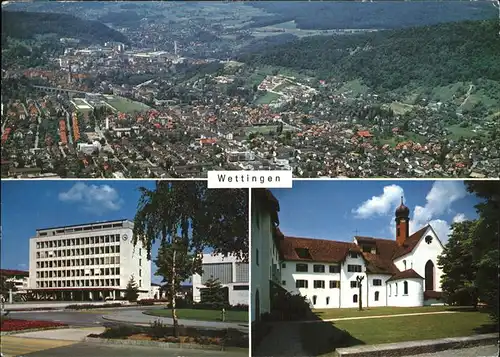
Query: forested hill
[[386, 60], [21, 24]]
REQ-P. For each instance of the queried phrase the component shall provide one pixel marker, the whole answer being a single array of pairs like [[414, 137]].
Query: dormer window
[[428, 239], [303, 253]]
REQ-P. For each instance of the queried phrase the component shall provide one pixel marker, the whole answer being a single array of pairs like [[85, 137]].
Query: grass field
[[267, 98], [201, 315], [458, 132], [126, 105], [400, 108], [390, 330], [355, 86], [376, 311]]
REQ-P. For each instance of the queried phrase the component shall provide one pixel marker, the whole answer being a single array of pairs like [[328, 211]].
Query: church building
[[393, 272]]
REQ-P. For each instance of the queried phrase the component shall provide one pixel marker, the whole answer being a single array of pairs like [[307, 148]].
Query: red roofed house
[[397, 272], [365, 134]]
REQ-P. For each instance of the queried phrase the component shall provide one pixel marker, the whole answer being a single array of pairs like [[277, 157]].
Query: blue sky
[[338, 210], [29, 205]]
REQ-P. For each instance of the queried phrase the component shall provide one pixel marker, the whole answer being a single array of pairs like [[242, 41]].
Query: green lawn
[[202, 315], [267, 98], [126, 105], [457, 132], [389, 330], [375, 311]]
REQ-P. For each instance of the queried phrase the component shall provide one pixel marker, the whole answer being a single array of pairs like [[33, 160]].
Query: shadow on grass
[[282, 333], [321, 338], [486, 328]]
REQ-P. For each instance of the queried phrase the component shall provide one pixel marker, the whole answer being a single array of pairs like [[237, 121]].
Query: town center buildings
[[87, 262]]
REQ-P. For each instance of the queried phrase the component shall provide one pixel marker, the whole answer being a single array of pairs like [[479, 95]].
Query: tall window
[[405, 288], [404, 264], [396, 289], [319, 284], [301, 284], [334, 268], [318, 268], [257, 257], [390, 289], [354, 268], [376, 295], [301, 268], [334, 284], [328, 300], [355, 298], [314, 299]]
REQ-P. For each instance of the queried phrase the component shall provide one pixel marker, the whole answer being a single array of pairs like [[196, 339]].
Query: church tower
[[402, 223]]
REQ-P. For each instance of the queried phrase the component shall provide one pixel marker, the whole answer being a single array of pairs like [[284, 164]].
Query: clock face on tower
[[124, 237]]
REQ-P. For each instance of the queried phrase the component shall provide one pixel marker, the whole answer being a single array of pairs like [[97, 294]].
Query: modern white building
[[265, 255], [18, 279], [401, 272], [232, 273], [87, 262]]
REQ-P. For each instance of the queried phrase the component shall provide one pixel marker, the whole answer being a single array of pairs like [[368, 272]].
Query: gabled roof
[[320, 250], [375, 264], [405, 274], [410, 243]]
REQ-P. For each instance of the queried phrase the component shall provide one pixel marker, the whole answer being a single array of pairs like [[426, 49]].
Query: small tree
[[132, 291], [213, 293]]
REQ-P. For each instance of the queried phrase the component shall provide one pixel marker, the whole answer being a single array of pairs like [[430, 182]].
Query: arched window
[[405, 288], [355, 298], [390, 289], [396, 289], [376, 295], [404, 263], [328, 300], [314, 299], [429, 275]]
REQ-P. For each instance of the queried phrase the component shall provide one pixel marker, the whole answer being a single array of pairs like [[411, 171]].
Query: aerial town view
[[322, 89]]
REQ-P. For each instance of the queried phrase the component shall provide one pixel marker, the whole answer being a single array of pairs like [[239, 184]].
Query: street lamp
[[359, 279]]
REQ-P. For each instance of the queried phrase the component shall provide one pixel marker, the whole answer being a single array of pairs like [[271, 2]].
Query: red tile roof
[[13, 272], [405, 274], [320, 250], [410, 243]]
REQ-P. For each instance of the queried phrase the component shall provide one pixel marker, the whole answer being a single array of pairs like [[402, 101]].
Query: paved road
[[137, 317], [74, 318], [481, 351], [98, 350]]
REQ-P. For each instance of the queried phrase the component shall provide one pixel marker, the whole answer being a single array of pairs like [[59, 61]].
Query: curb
[[418, 347], [15, 332], [107, 318], [167, 345]]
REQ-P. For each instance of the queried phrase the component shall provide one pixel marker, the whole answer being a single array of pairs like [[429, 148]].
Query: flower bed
[[19, 325], [187, 335]]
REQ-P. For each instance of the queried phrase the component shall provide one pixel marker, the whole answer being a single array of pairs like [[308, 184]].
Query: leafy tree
[[186, 217], [6, 286], [485, 242], [175, 264], [131, 291], [459, 271], [213, 293]]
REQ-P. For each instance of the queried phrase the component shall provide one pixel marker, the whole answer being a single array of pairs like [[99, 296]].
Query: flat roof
[[85, 224]]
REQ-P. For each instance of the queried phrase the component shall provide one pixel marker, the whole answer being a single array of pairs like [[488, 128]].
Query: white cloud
[[22, 266], [95, 199], [460, 217], [442, 229], [380, 205], [439, 200]]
